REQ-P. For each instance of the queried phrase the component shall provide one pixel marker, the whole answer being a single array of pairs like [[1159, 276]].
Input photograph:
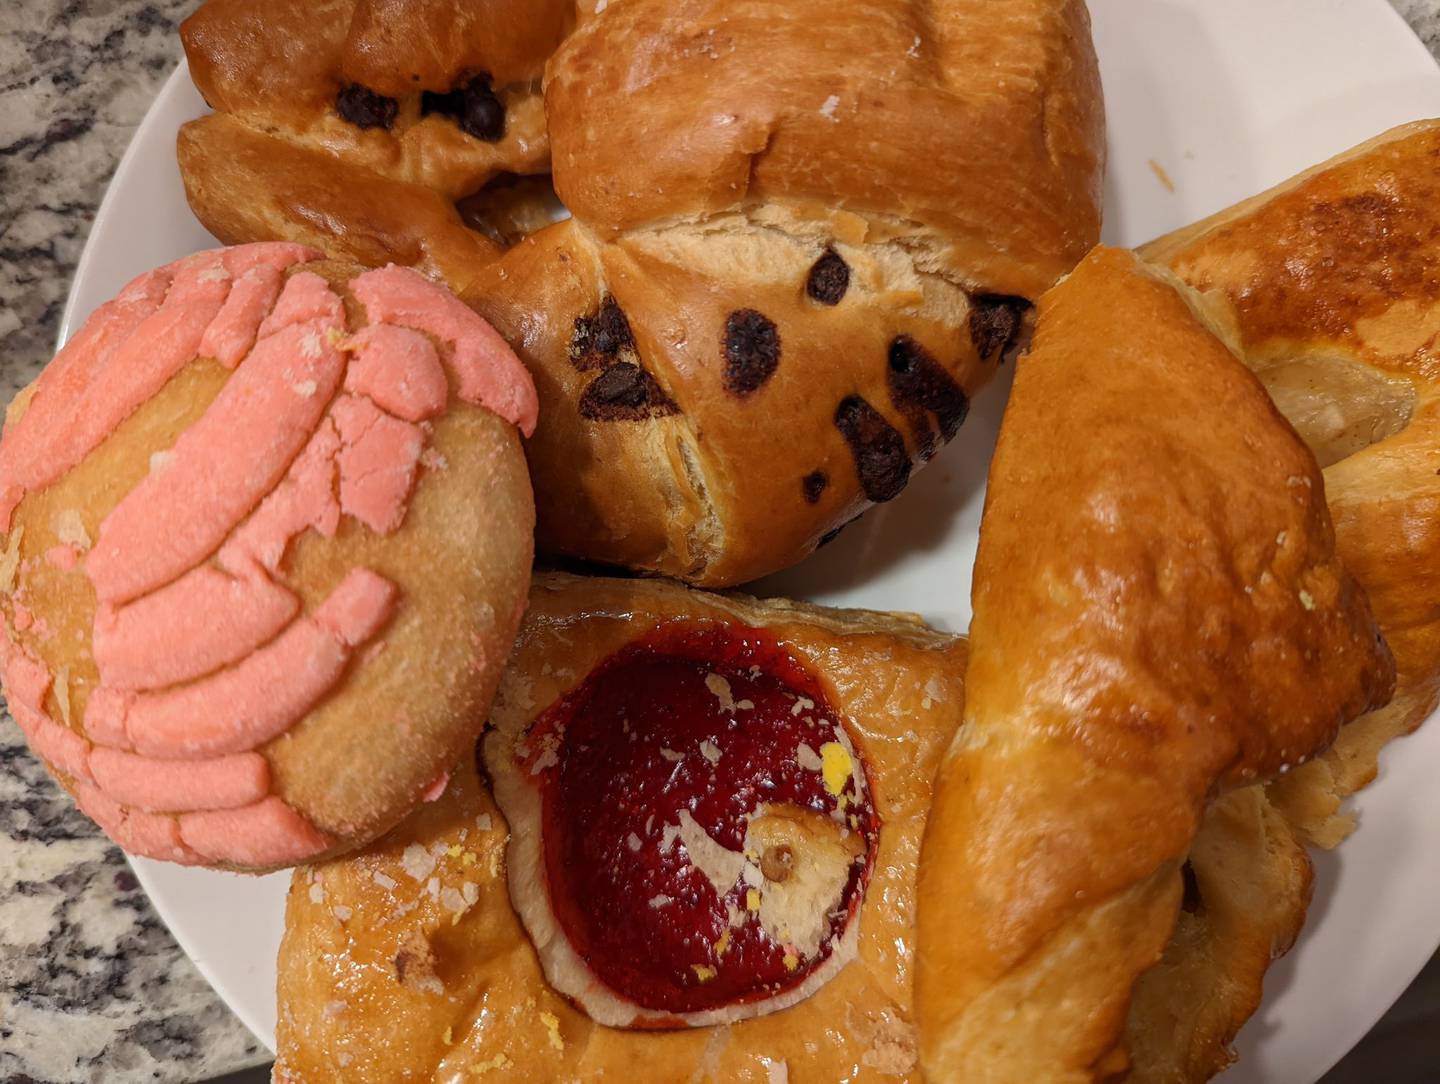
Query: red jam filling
[[697, 727]]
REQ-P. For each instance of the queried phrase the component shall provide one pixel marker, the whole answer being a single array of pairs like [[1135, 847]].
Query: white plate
[[1226, 97]]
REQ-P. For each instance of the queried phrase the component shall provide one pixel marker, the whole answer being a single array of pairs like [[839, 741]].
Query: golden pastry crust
[[1330, 281], [806, 312], [344, 1003], [1159, 613], [357, 761], [1247, 886]]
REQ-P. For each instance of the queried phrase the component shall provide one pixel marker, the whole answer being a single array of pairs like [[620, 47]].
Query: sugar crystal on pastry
[[261, 525]]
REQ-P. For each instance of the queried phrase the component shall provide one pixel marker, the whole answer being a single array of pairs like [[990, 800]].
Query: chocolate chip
[[919, 386], [603, 338], [363, 108], [834, 532], [813, 484], [995, 321], [881, 461], [752, 350], [474, 106], [625, 392], [829, 278], [1191, 901]]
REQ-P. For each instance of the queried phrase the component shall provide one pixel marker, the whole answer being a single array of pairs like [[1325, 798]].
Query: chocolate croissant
[[1160, 616]]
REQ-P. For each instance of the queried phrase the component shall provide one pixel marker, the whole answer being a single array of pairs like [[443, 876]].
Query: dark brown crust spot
[[995, 323], [752, 351], [625, 393], [415, 962], [600, 340], [829, 278], [813, 484], [920, 386], [363, 108], [473, 105], [881, 462], [776, 863]]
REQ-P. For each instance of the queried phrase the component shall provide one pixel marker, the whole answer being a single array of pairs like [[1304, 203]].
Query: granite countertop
[[92, 986]]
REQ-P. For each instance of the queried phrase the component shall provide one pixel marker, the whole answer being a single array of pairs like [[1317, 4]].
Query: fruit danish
[[245, 509], [804, 235], [698, 861], [1331, 282], [1159, 616]]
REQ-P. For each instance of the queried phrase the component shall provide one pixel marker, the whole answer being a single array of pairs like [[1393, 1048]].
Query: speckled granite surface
[[92, 987]]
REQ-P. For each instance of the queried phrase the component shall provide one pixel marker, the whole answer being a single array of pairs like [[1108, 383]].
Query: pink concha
[[236, 326], [54, 742], [221, 467], [204, 655], [150, 835], [197, 624]]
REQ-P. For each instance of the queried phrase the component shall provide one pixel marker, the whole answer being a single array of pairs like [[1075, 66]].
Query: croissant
[[1329, 282], [1159, 617]]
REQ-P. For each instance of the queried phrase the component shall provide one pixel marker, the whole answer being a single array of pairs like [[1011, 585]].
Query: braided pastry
[[762, 316], [1159, 615]]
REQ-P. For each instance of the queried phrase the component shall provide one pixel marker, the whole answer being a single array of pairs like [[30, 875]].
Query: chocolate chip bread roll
[[372, 128], [804, 235]]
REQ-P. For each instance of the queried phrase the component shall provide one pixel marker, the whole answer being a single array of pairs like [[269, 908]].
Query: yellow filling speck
[[454, 850], [752, 899], [702, 972], [449, 1036], [467, 859], [499, 1061], [791, 961], [552, 1029], [722, 946], [835, 765]]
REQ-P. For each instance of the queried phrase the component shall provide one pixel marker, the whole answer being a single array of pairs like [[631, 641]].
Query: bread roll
[[367, 120]]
